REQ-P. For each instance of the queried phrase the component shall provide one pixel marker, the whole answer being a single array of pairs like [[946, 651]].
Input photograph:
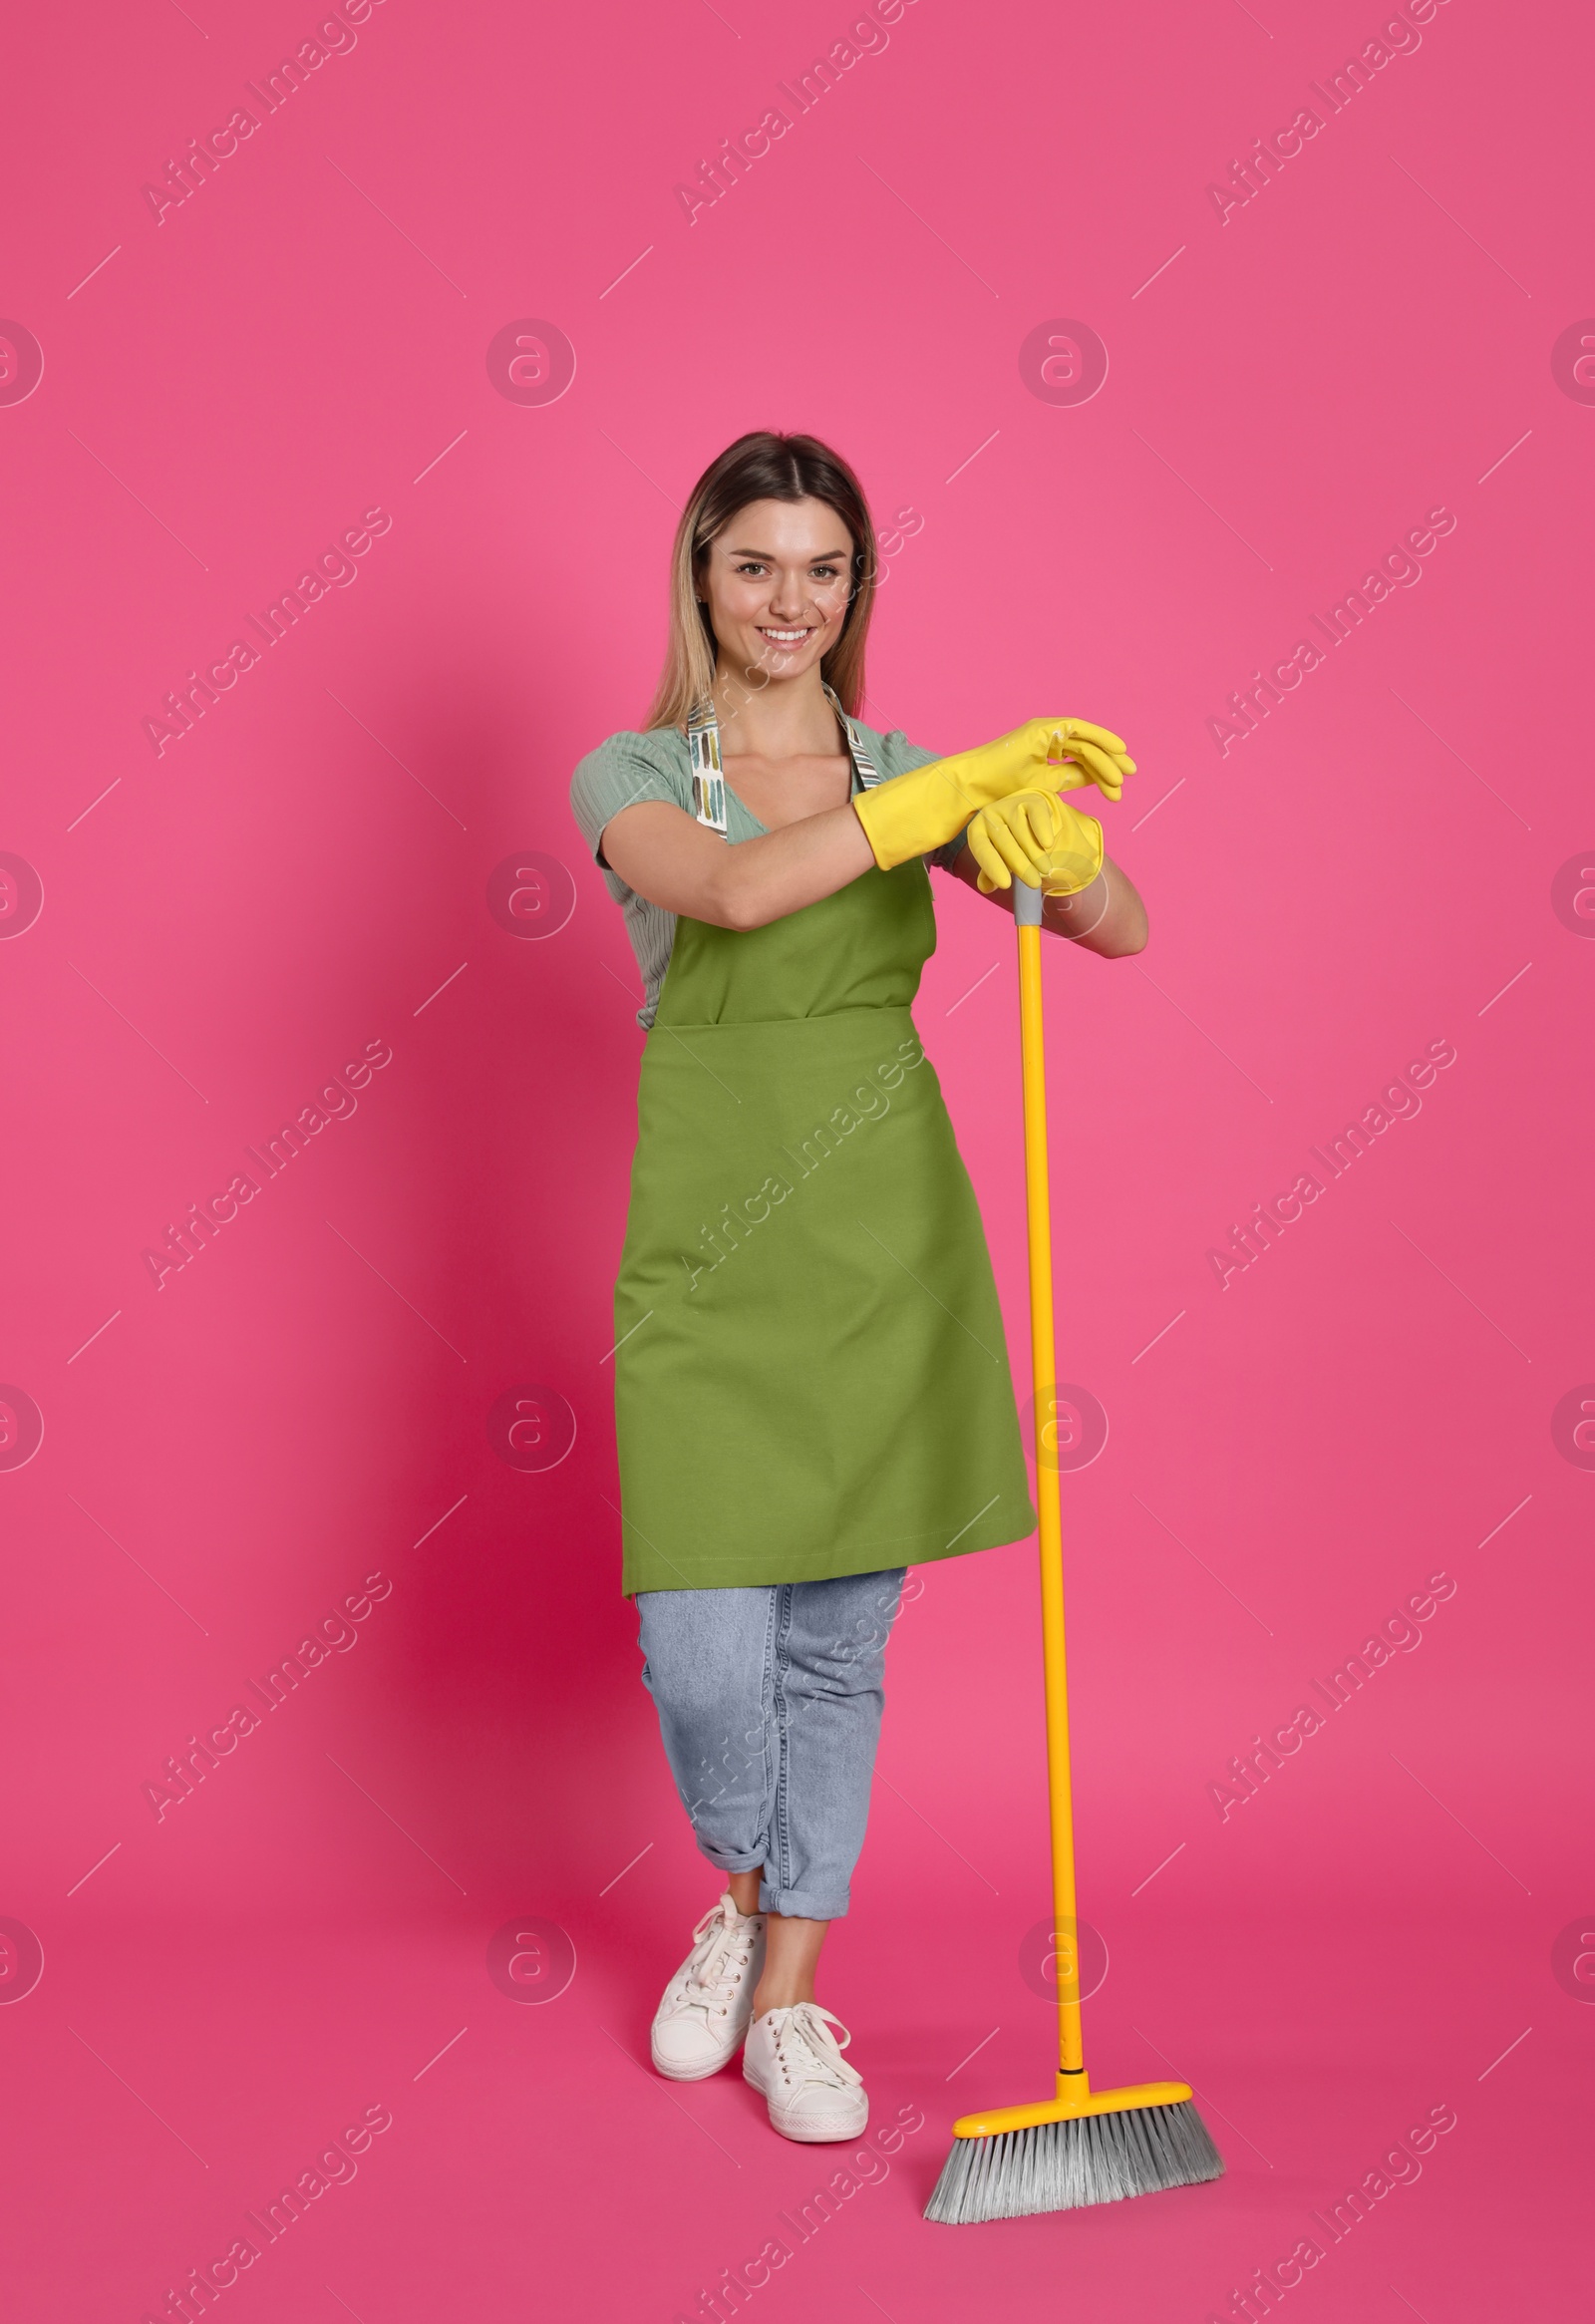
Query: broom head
[[1082, 2149]]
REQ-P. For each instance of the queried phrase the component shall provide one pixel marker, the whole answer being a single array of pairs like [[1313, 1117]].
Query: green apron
[[811, 1371]]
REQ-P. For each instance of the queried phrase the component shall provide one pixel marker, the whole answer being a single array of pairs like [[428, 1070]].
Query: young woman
[[812, 1384]]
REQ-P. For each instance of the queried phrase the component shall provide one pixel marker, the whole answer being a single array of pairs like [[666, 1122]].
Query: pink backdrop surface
[[435, 1889]]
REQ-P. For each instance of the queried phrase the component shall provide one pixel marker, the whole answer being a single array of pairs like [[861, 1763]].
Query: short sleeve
[[620, 772]]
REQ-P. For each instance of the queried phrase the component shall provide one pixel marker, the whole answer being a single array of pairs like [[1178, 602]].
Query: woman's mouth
[[785, 642]]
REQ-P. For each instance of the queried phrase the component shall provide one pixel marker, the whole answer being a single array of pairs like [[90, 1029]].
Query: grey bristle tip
[[1061, 2167]]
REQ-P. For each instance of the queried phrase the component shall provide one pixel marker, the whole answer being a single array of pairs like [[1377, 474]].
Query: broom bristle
[[1059, 2166]]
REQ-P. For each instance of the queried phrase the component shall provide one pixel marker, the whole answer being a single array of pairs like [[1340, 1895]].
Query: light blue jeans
[[769, 1702]]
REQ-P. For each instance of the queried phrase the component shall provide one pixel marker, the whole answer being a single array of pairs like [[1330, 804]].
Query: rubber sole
[[674, 2073], [807, 2133]]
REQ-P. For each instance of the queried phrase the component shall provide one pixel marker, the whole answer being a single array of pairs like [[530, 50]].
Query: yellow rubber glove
[[1034, 836], [912, 813]]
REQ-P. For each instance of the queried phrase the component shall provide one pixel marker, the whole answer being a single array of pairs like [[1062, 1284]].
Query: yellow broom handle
[[1043, 1370]]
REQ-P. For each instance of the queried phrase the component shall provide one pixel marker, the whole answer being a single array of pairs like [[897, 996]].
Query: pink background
[[227, 1457]]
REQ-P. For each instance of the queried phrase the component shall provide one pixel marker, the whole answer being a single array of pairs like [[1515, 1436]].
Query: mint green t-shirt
[[632, 767]]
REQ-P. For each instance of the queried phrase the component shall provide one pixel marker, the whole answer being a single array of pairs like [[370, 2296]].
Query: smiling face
[[777, 582]]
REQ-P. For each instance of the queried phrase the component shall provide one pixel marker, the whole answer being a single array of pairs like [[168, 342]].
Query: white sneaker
[[813, 2093], [700, 2024]]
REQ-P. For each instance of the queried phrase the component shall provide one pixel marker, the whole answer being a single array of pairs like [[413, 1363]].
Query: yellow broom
[[1082, 2145]]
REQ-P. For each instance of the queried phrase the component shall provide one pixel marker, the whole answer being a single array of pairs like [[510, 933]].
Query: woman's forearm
[[1107, 918], [763, 880], [663, 854]]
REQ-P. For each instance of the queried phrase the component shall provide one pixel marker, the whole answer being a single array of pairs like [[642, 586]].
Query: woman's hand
[[915, 813], [1085, 754], [1033, 836]]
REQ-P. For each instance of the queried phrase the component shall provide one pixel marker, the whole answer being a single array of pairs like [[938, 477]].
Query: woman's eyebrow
[[821, 556]]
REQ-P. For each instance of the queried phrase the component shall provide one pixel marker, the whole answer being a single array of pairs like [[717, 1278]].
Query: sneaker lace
[[806, 2050], [722, 1947]]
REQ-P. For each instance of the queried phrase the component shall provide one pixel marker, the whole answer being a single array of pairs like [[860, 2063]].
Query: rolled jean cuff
[[801, 1903], [733, 1859]]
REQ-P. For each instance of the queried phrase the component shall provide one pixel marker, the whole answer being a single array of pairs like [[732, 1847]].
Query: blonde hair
[[762, 466]]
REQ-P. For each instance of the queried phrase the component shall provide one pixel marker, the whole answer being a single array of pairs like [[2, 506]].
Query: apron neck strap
[[708, 777]]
